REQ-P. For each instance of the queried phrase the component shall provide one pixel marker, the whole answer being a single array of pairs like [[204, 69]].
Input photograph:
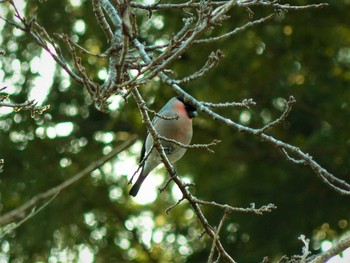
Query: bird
[[176, 125]]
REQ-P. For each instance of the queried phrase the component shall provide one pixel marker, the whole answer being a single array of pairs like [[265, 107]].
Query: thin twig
[[245, 103], [140, 164], [236, 30], [212, 61], [167, 211], [10, 227], [192, 146], [227, 208], [212, 251], [291, 159], [289, 105], [29, 105]]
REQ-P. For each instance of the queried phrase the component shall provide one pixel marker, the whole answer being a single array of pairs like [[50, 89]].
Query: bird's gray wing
[[143, 150]]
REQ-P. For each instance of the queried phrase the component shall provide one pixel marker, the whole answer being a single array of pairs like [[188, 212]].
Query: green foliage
[[304, 54]]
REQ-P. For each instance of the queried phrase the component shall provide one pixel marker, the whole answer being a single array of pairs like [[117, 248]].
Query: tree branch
[[21, 210], [289, 105], [182, 186], [245, 103], [343, 243], [29, 105]]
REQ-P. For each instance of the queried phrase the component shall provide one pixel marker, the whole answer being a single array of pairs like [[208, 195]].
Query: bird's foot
[[169, 149]]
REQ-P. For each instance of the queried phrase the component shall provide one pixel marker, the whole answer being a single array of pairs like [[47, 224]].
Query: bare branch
[[12, 226], [21, 210], [289, 105], [202, 219], [245, 103], [140, 165], [216, 237], [332, 181], [229, 209], [212, 61], [285, 7], [96, 6], [156, 114], [237, 30], [182, 186], [291, 159], [148, 123], [41, 37], [343, 243], [88, 83], [29, 105], [167, 211], [191, 146], [195, 5]]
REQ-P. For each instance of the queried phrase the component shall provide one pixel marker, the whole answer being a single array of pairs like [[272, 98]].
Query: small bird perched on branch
[[176, 124]]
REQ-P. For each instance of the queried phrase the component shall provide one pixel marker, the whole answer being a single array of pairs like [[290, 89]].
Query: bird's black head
[[191, 110]]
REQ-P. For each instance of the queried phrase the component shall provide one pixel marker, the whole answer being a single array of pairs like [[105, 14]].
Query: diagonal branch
[[12, 226], [18, 212], [96, 7], [182, 186], [236, 30], [338, 248]]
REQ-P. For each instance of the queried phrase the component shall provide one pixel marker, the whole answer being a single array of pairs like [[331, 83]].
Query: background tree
[[304, 53]]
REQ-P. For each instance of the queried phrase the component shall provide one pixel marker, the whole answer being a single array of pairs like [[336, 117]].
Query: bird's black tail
[[136, 187]]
